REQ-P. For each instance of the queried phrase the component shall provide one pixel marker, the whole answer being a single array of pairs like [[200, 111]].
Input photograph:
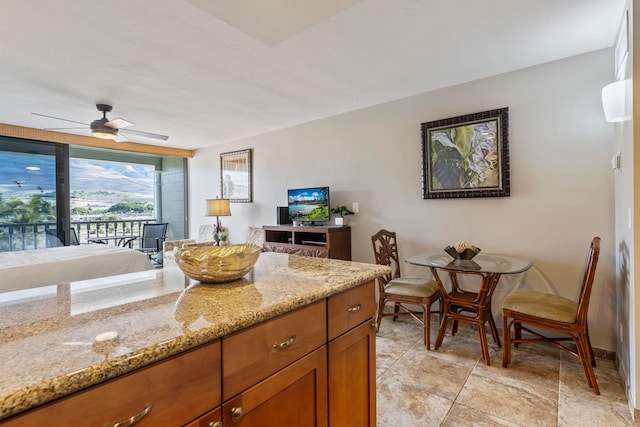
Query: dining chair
[[553, 313], [153, 237], [402, 290], [462, 304]]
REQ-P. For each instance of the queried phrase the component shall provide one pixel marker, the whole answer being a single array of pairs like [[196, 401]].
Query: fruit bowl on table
[[466, 254], [217, 264]]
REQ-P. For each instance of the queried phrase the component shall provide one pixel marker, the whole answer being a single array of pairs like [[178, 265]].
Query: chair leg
[[593, 358], [396, 310], [584, 353], [426, 320], [483, 343], [381, 302], [517, 332], [494, 329], [441, 331], [506, 339]]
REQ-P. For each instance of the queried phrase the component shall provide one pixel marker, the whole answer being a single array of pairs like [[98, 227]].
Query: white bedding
[[52, 266]]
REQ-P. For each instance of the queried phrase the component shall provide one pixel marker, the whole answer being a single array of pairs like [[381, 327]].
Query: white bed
[[52, 266]]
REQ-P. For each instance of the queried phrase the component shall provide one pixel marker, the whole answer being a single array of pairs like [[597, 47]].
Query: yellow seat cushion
[[540, 304], [413, 287]]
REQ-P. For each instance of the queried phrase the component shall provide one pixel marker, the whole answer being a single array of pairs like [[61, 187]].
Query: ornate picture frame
[[466, 156], [235, 176]]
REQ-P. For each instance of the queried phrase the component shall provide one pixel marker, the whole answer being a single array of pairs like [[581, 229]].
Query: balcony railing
[[25, 236]]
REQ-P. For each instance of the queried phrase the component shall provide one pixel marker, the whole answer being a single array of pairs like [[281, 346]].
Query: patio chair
[[153, 237]]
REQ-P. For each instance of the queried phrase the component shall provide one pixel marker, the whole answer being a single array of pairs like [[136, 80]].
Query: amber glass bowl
[[217, 264]]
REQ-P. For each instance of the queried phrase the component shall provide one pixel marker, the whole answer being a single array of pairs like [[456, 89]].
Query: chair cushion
[[546, 306], [413, 287]]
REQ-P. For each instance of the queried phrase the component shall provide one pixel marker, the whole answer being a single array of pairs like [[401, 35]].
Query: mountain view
[[96, 186]]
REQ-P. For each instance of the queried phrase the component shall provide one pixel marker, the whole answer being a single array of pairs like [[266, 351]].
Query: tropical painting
[[466, 156], [235, 176]]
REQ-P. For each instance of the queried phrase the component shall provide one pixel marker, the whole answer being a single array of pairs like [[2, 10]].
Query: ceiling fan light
[[105, 133]]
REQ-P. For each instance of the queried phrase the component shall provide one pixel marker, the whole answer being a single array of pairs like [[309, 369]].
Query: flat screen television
[[309, 204]]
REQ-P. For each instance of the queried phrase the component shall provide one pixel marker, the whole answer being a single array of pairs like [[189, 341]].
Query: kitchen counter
[[59, 339]]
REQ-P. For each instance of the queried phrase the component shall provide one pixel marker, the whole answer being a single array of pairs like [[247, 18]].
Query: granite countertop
[[60, 339]]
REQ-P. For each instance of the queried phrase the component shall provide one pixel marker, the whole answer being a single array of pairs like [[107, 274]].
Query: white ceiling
[[208, 72]]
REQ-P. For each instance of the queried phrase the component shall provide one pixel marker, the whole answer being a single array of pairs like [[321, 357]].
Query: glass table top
[[481, 263]]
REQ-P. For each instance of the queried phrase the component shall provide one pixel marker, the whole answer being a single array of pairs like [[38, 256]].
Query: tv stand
[[318, 241]]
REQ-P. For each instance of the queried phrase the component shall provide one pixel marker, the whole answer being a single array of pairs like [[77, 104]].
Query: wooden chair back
[[385, 250], [587, 282]]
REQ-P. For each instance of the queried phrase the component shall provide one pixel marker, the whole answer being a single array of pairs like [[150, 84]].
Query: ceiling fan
[[108, 129]]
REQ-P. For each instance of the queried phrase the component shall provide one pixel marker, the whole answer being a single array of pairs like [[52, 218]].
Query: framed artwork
[[466, 156], [622, 47], [235, 176]]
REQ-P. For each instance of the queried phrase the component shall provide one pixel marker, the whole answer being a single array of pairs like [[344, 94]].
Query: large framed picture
[[235, 176], [466, 156]]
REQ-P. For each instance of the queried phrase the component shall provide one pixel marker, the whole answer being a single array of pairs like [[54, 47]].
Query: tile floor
[[454, 387]]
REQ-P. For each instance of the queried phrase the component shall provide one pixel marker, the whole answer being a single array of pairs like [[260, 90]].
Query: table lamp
[[218, 207]]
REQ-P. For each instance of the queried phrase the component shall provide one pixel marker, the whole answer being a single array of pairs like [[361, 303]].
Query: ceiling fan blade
[[118, 123], [146, 134], [58, 118], [120, 138], [63, 128]]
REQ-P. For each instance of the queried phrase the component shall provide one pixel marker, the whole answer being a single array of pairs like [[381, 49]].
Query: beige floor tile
[[454, 387], [433, 375], [577, 404], [517, 404], [407, 404], [460, 415]]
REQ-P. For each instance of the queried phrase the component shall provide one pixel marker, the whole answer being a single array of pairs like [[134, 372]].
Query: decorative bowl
[[216, 264], [468, 253]]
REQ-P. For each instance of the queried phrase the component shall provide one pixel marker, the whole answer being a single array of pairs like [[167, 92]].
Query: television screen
[[309, 204]]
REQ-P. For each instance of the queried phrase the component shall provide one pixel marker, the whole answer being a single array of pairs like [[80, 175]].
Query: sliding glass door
[[57, 194], [28, 195]]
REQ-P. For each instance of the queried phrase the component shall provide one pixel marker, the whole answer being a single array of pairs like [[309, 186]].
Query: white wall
[[562, 190]]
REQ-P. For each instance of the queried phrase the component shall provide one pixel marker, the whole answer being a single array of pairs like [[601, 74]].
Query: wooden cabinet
[[314, 366], [171, 392], [324, 242], [352, 358], [352, 378]]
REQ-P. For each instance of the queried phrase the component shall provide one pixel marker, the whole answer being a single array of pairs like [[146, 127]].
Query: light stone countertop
[[48, 344]]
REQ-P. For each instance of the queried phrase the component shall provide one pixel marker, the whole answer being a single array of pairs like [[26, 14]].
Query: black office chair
[[153, 237]]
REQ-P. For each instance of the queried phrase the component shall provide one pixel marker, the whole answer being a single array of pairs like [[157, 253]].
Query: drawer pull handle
[[131, 421], [355, 308], [285, 344], [215, 424], [236, 414]]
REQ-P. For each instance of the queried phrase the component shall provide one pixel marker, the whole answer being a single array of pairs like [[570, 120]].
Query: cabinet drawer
[[179, 390], [350, 308], [253, 354]]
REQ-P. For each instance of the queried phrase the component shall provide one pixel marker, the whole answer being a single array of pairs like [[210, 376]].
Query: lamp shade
[[614, 101], [218, 207]]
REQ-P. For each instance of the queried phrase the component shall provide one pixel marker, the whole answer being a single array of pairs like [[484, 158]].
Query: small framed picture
[[235, 176], [466, 156]]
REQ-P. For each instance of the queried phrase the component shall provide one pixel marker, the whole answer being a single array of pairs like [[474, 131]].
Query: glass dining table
[[472, 306]]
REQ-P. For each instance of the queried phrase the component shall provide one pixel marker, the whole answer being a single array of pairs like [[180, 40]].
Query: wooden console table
[[322, 241]]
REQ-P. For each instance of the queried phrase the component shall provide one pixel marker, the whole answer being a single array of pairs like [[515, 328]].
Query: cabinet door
[[295, 396], [352, 378]]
